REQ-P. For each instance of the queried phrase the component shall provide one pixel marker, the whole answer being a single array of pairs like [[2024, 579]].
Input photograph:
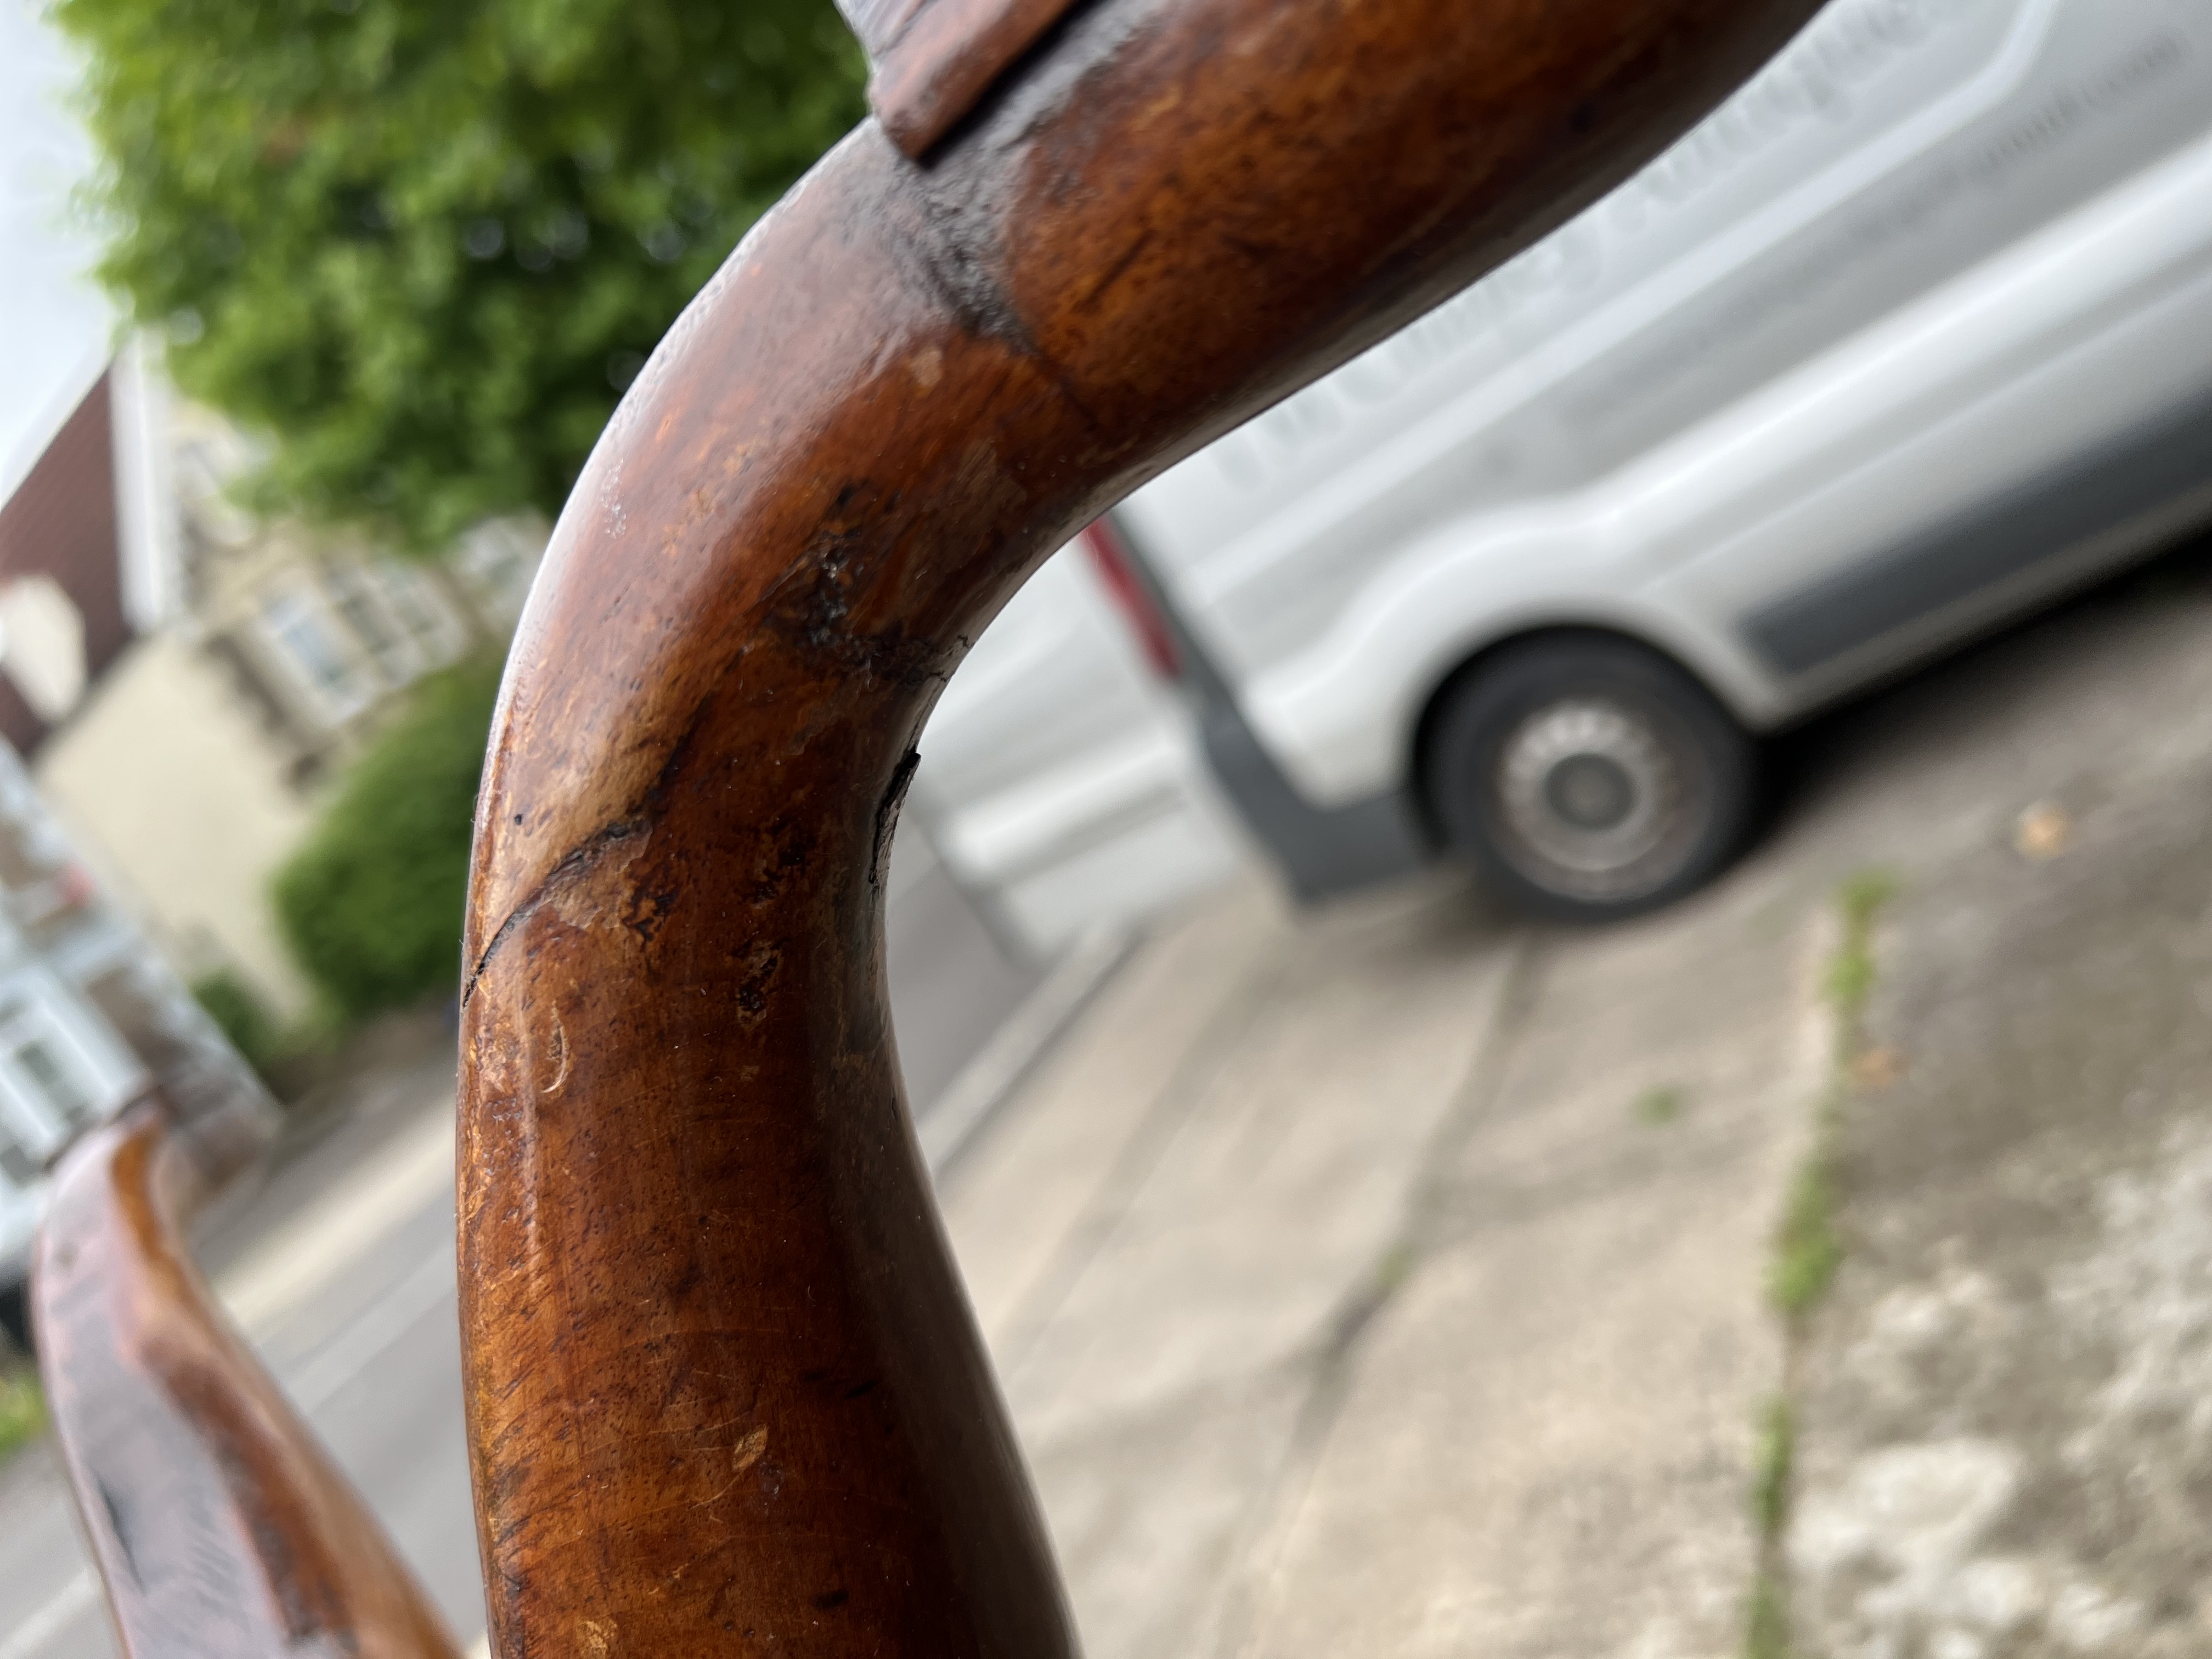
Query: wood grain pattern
[[220, 1527], [724, 1393]]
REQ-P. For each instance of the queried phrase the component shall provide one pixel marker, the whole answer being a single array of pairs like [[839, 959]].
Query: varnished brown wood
[[220, 1526], [724, 1393], [931, 60]]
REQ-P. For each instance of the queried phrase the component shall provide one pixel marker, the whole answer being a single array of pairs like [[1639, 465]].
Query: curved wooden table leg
[[220, 1526], [725, 1393]]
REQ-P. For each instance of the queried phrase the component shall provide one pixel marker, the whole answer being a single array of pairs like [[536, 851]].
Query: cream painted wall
[[168, 777]]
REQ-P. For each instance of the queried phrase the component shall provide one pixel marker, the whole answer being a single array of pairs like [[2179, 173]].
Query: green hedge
[[371, 904], [232, 1003]]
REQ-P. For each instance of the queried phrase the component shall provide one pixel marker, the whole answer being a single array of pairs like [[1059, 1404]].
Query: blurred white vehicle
[[1912, 334], [1059, 784]]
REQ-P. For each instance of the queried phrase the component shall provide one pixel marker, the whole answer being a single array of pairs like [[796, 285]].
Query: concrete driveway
[[1395, 1279], [1392, 1280]]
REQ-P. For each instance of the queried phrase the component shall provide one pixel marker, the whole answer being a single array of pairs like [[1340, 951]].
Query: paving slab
[[1342, 1296], [1544, 1444], [1167, 1232], [2005, 1440]]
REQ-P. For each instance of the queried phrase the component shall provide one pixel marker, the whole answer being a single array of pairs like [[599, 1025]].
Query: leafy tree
[[371, 903], [424, 244]]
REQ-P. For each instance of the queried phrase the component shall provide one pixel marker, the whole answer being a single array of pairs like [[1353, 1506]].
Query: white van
[[1061, 782], [1914, 333]]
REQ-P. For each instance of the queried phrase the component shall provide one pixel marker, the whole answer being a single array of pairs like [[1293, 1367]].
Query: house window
[[399, 616], [61, 1070], [61, 1089], [496, 562], [205, 463], [56, 1078], [303, 636], [438, 633], [363, 611]]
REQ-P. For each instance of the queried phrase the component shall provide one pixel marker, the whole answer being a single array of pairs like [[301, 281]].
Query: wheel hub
[[1590, 791], [1588, 788]]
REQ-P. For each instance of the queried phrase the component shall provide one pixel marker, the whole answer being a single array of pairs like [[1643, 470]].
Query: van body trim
[[1320, 850], [2151, 467]]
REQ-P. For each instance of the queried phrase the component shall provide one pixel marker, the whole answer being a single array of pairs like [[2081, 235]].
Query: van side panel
[[1914, 332], [1647, 387], [1895, 143], [2011, 372], [2160, 474]]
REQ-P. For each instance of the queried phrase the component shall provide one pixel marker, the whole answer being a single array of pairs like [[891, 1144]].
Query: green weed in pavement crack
[[1770, 1469], [23, 1409], [1809, 1248]]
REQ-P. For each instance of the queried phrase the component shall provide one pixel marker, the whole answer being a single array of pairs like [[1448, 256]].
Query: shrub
[[371, 904], [238, 1013]]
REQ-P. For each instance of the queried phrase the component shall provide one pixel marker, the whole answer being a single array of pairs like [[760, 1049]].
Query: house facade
[[184, 681], [91, 1018]]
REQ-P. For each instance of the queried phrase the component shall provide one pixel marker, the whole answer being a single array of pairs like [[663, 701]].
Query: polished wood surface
[[220, 1527], [724, 1393], [931, 61]]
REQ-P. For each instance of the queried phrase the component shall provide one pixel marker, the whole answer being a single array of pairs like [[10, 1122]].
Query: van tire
[[1588, 777]]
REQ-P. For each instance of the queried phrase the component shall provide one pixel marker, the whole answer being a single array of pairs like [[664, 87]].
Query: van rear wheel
[[1589, 777]]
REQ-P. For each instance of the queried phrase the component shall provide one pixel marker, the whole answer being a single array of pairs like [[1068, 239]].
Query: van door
[[2038, 412]]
